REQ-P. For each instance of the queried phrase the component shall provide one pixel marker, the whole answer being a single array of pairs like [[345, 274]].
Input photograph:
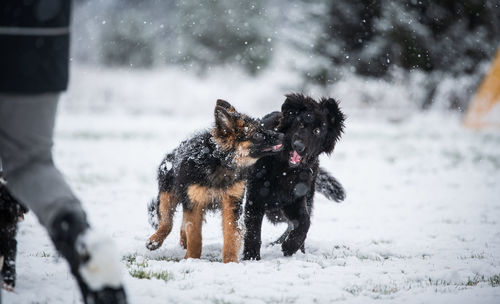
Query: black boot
[[96, 271]]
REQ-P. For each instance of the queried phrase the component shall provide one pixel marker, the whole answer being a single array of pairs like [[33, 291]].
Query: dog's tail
[[161, 210], [329, 186], [165, 184], [153, 213]]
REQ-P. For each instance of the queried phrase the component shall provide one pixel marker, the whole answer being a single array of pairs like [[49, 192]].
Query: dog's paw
[[289, 247], [153, 245], [251, 255]]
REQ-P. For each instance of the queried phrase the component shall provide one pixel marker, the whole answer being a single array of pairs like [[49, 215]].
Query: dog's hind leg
[[166, 212], [283, 237]]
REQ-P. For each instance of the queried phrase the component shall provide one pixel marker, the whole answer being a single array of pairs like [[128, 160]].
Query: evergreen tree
[[429, 35], [218, 32]]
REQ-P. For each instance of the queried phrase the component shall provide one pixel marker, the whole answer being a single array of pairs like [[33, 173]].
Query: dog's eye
[[317, 131], [258, 137]]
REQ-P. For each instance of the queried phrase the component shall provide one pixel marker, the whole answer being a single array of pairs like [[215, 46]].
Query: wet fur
[[284, 192]]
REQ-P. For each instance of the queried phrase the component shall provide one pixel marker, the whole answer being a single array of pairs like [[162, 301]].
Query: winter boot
[[93, 259]]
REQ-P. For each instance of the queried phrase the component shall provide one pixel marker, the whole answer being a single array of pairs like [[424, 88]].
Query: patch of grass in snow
[[354, 290], [137, 268], [213, 257], [439, 282], [475, 280], [131, 258], [478, 256], [495, 280], [166, 259], [376, 290], [148, 274], [342, 252], [381, 241], [384, 289], [41, 254]]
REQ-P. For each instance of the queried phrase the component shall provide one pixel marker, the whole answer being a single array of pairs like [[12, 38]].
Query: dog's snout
[[281, 136], [299, 146]]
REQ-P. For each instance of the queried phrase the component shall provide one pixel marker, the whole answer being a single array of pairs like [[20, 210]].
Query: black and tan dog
[[208, 172], [282, 186]]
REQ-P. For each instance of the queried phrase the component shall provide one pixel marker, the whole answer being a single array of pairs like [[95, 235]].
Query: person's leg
[[26, 132]]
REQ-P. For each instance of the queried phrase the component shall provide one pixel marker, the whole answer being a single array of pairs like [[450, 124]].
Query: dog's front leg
[[253, 226], [299, 216], [193, 220], [232, 234]]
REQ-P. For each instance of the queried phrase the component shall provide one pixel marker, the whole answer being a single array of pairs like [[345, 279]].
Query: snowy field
[[421, 222]]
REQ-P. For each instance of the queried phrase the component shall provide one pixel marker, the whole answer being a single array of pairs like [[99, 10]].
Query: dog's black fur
[[11, 212], [282, 186]]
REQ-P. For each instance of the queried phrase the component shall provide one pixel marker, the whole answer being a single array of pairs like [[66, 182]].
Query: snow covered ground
[[421, 222]]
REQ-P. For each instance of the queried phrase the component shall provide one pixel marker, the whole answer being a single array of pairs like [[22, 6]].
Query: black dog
[[11, 211], [282, 186]]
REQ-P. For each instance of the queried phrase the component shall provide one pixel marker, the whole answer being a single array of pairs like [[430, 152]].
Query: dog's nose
[[299, 146]]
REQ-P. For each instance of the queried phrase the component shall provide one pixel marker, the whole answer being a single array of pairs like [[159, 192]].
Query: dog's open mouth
[[274, 148], [295, 158]]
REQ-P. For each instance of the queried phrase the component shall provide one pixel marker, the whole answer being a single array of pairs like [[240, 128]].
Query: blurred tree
[[215, 32], [196, 34], [133, 33], [370, 36]]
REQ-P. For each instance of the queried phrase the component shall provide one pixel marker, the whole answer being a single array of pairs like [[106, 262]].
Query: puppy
[[208, 172], [282, 186]]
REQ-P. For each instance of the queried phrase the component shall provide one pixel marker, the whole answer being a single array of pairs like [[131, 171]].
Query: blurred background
[[401, 56]]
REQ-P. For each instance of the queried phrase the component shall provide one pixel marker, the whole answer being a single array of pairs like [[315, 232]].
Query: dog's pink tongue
[[295, 159]]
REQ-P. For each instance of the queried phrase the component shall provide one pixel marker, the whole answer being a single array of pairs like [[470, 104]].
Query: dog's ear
[[335, 123], [293, 104], [224, 120], [272, 120], [226, 105]]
